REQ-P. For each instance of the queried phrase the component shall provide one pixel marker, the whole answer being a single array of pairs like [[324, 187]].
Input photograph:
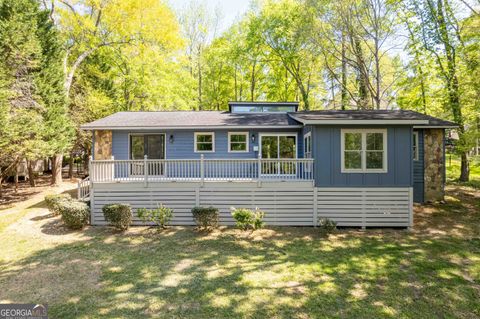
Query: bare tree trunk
[[70, 166], [1, 183], [31, 173], [57, 169], [344, 92], [16, 178]]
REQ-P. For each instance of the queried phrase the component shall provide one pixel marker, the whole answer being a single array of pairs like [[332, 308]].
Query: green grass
[[431, 272], [453, 170]]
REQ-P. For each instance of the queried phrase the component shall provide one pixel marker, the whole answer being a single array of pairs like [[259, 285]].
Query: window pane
[[375, 141], [204, 147], [204, 138], [353, 160], [353, 141], [287, 146], [238, 138], [137, 147], [374, 159], [155, 146], [269, 147], [238, 146]]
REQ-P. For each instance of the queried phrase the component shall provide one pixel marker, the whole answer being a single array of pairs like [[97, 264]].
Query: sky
[[230, 9]]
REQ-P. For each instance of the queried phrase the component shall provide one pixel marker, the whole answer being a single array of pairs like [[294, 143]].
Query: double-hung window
[[364, 151], [307, 145], [238, 142], [204, 142]]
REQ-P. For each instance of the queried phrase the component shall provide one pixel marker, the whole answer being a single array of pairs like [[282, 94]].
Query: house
[[359, 168]]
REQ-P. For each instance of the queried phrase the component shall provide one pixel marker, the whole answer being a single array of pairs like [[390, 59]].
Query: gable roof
[[369, 117], [191, 120], [218, 120]]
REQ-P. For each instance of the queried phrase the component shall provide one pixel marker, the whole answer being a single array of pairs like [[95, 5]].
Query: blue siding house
[[359, 168]]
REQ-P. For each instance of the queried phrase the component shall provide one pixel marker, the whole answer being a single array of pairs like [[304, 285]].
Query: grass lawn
[[431, 272]]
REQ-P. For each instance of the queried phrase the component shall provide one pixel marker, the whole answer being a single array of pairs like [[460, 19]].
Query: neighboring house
[[359, 168]]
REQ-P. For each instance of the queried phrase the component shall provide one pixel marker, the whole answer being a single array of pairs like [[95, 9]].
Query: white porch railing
[[83, 188], [201, 170]]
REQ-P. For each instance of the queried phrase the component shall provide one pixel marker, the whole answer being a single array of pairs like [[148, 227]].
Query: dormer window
[[258, 107]]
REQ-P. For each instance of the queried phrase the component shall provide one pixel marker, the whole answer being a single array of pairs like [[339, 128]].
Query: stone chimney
[[103, 145]]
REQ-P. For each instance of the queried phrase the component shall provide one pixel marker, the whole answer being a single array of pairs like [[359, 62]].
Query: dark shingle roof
[[333, 116], [213, 119], [190, 119]]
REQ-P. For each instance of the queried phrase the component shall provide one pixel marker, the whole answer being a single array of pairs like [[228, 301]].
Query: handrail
[[83, 190], [158, 170]]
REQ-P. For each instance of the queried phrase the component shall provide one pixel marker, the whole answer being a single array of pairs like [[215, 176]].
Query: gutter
[[358, 122]]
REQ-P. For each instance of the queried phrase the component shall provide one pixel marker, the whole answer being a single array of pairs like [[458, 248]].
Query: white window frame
[[204, 133], [364, 168], [247, 137], [305, 151], [415, 144], [279, 134]]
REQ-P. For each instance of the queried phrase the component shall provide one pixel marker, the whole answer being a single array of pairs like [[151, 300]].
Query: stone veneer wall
[[434, 164], [103, 145]]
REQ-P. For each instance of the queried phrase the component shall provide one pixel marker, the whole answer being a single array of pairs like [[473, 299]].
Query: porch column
[[434, 165]]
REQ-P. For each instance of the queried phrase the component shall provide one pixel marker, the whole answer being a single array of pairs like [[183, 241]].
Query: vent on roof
[[263, 107]]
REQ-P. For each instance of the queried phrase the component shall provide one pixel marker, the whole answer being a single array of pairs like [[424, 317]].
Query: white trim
[[415, 139], [309, 134], [165, 128], [436, 126], [195, 134], [143, 134], [277, 134], [363, 151], [247, 135], [358, 122]]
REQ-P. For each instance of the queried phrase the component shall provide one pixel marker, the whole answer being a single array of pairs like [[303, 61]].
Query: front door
[[275, 147], [151, 145]]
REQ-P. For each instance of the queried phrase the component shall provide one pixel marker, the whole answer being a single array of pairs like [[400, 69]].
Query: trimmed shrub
[[205, 217], [326, 225], [118, 215], [246, 218], [160, 215], [53, 201], [75, 214]]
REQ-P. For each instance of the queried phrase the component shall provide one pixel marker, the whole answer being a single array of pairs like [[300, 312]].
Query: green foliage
[[53, 202], [160, 215], [206, 218], [326, 225], [246, 218], [118, 215], [75, 214]]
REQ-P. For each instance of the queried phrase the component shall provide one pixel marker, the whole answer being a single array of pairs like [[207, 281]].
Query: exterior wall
[[284, 203], [183, 144], [434, 165], [418, 186], [102, 148], [327, 153]]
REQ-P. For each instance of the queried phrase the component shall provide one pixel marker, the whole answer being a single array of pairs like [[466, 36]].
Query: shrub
[[53, 201], [160, 215], [118, 215], [246, 218], [75, 214], [205, 217], [326, 225]]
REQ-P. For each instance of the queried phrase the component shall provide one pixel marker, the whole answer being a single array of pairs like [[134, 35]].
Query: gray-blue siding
[[418, 167], [183, 143], [327, 153]]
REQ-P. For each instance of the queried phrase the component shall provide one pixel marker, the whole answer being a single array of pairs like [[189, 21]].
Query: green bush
[[326, 225], [75, 214], [53, 201], [246, 218], [118, 215], [205, 217], [160, 215]]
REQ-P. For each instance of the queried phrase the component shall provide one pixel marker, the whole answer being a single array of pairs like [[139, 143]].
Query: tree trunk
[[464, 169], [70, 166], [15, 179], [1, 183], [31, 173], [57, 169], [344, 75]]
